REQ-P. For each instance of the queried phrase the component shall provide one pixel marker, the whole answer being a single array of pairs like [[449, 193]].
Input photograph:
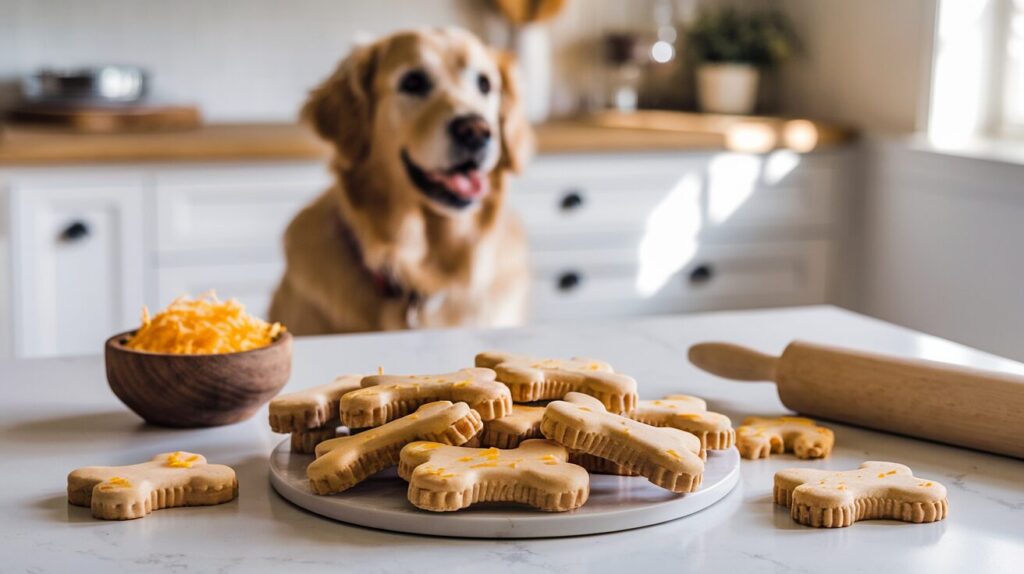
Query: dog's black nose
[[471, 132]]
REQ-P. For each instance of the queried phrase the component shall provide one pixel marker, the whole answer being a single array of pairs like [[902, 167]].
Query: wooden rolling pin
[[947, 403]]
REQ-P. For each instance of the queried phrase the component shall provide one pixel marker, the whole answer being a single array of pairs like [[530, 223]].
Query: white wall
[[254, 60], [242, 60], [942, 239], [865, 64], [865, 61], [6, 292]]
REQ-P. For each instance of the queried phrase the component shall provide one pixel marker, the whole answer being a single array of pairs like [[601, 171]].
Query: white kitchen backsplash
[[254, 60]]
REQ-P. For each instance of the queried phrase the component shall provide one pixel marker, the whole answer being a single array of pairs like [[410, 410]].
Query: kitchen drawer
[[778, 189], [241, 211], [581, 284], [716, 195], [78, 255], [566, 195], [252, 284]]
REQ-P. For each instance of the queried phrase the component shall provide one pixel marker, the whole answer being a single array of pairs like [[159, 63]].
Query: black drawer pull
[[572, 200], [569, 281], [702, 274], [76, 231]]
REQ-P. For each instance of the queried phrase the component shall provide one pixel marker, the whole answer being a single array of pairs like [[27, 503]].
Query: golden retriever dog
[[426, 127]]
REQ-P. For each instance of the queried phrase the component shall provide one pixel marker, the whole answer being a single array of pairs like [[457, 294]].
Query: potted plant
[[731, 48]]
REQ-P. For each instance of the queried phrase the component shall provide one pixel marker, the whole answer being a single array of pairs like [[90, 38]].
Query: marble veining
[[57, 415]]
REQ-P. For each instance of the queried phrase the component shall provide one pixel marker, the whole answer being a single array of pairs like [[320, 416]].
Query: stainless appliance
[[90, 85]]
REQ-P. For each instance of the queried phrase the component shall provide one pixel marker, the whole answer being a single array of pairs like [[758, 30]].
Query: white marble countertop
[[58, 414]]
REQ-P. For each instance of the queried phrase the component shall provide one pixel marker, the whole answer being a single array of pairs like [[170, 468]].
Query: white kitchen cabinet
[[77, 252], [225, 214], [250, 283], [620, 235], [714, 276], [611, 234]]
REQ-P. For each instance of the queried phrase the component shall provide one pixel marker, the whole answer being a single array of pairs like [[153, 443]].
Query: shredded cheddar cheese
[[115, 482], [177, 460], [202, 326]]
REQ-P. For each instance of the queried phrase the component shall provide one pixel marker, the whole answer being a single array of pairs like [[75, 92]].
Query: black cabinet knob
[[75, 231], [573, 199], [702, 274], [568, 281]]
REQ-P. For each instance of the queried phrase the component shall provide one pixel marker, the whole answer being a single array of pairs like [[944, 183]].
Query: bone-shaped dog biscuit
[[385, 398], [876, 490], [304, 442], [690, 414], [536, 379], [345, 462], [668, 457], [758, 437], [313, 408], [598, 465], [524, 424], [521, 424], [167, 480], [536, 473]]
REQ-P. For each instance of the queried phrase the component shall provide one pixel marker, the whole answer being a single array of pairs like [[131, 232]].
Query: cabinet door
[[575, 285], [222, 214], [78, 259], [253, 283]]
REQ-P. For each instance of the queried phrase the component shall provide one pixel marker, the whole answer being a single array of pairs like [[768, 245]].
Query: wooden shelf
[[609, 132]]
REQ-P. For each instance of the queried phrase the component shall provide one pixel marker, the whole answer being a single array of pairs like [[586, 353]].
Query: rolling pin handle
[[733, 361]]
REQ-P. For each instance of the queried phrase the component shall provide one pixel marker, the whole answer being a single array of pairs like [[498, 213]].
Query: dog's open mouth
[[457, 186]]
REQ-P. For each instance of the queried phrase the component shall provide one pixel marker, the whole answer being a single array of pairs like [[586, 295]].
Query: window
[[1011, 92], [977, 81]]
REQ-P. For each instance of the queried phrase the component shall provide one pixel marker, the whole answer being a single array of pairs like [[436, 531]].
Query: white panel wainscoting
[[943, 247]]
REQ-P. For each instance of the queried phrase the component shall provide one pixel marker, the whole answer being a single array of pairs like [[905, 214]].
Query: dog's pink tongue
[[468, 185]]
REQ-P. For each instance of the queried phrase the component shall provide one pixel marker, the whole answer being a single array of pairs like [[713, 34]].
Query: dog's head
[[436, 106]]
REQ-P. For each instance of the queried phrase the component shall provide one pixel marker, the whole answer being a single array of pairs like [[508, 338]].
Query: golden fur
[[466, 267]]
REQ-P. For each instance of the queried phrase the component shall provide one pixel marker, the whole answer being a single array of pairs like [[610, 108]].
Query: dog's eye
[[483, 83], [415, 82]]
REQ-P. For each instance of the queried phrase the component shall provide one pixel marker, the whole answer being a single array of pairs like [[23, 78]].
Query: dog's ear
[[516, 135], [341, 108]]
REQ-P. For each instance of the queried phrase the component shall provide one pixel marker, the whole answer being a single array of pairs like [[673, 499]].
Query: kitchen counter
[[644, 131], [59, 414]]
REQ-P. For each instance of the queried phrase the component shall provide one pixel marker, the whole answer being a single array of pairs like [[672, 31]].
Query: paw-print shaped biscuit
[[345, 462], [690, 414], [758, 437], [167, 480], [445, 478], [876, 490], [535, 379], [668, 457], [385, 398]]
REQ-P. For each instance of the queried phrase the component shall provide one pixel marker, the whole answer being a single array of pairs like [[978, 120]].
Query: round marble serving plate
[[616, 503]]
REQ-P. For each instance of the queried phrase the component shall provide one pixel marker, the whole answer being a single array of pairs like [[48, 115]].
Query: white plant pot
[[727, 88]]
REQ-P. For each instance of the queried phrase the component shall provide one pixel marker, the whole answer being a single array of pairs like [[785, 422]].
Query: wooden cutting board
[[108, 119]]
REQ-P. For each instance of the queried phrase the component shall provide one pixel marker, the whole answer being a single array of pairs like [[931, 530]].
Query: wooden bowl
[[197, 390]]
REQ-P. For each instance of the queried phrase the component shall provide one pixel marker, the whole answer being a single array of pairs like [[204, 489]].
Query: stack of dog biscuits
[[517, 429], [311, 416]]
